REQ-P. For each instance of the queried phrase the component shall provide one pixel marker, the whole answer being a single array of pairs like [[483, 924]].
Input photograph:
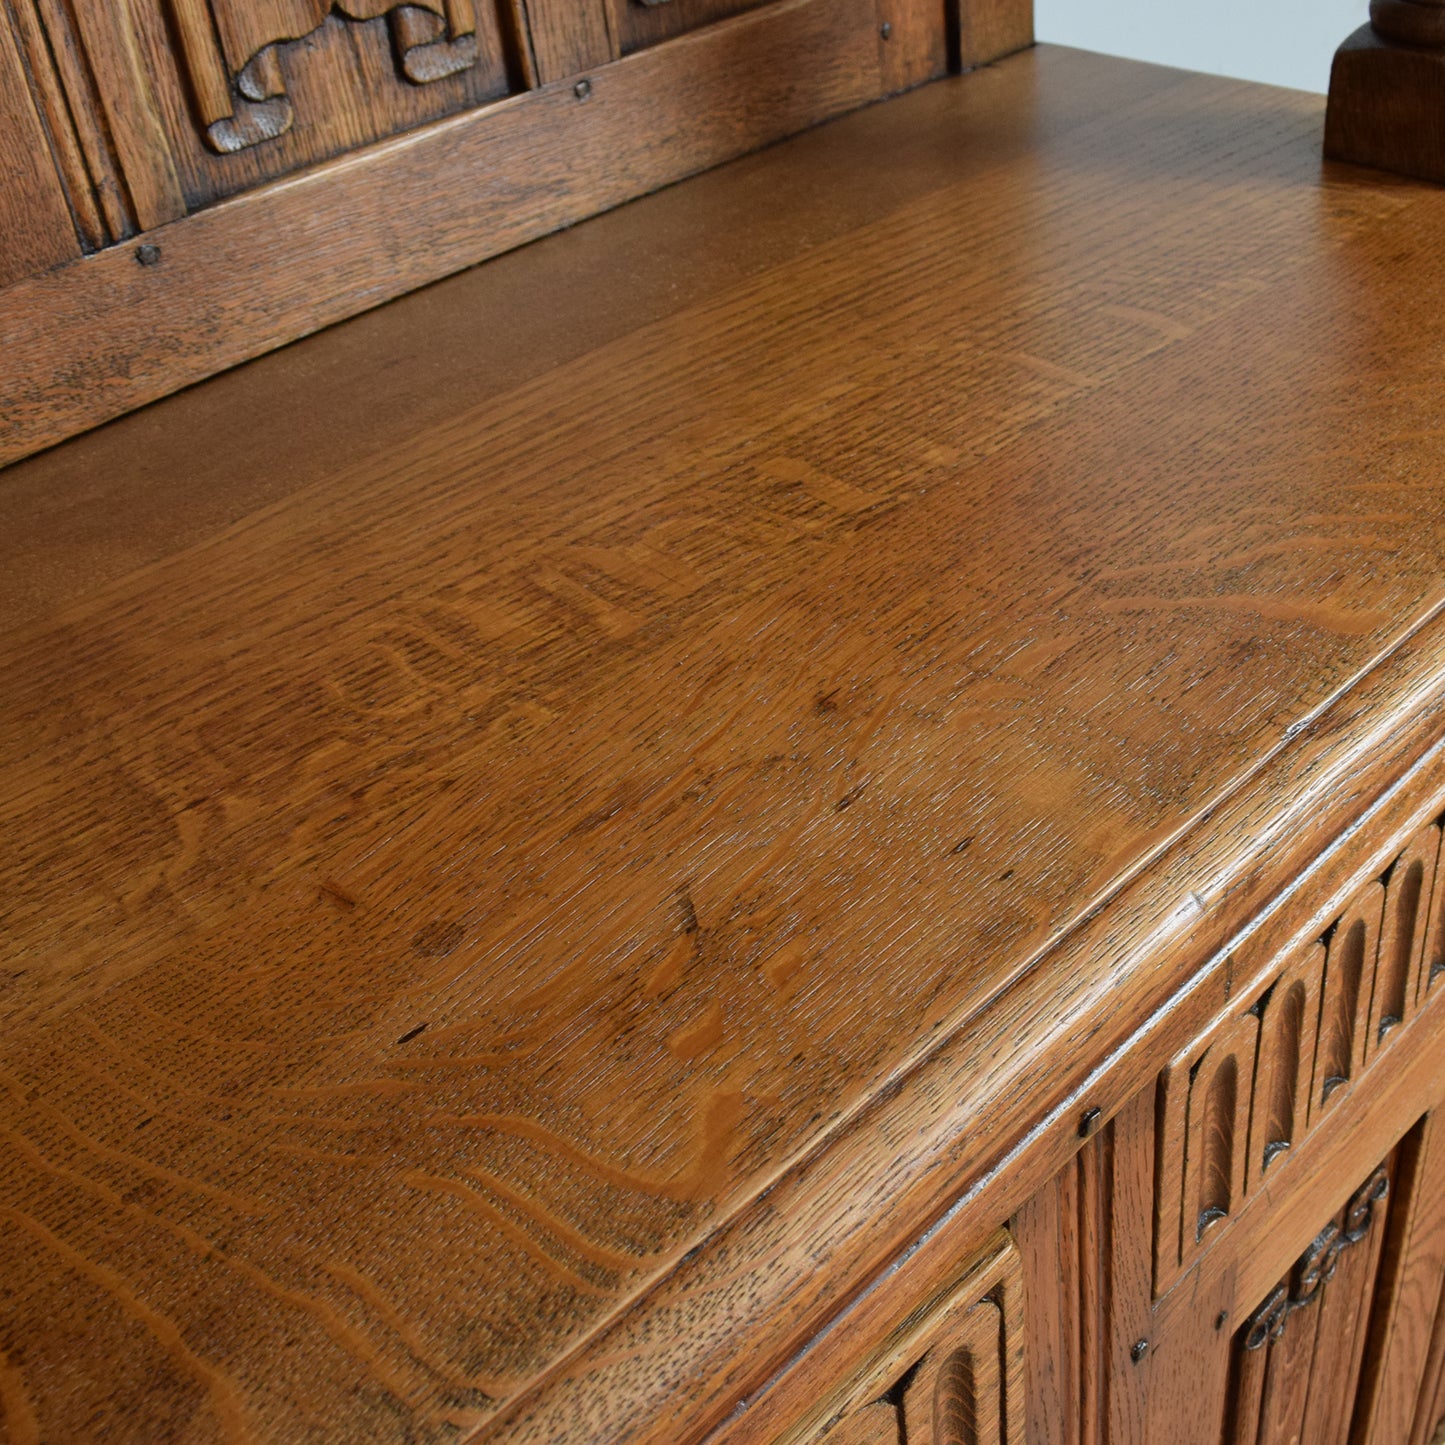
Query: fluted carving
[[1235, 1105]]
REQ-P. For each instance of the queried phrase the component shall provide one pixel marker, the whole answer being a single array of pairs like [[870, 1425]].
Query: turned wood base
[[1387, 105]]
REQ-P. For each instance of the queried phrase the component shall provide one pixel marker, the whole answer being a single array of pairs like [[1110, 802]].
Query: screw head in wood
[[582, 89], [1088, 1122], [148, 254], [886, 29], [1138, 1350]]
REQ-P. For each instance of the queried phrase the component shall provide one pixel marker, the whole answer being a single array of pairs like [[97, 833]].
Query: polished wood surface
[[560, 840]]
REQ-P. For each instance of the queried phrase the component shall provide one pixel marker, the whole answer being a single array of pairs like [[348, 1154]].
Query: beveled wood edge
[[971, 1127], [1266, 925], [102, 335], [1280, 930]]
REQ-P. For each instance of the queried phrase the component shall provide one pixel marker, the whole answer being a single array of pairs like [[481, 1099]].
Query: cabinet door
[[1251, 1252], [1345, 1347], [1297, 1359]]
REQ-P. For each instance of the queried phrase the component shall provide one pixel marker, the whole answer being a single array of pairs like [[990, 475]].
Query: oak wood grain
[[86, 513], [990, 29], [450, 925], [569, 36]]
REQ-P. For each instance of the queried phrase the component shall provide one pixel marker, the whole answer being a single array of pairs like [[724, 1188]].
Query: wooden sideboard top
[[552, 829]]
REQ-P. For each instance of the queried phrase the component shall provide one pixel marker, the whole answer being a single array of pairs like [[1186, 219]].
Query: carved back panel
[[163, 107], [426, 135]]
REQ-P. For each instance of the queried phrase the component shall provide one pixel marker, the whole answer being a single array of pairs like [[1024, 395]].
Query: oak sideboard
[[805, 812]]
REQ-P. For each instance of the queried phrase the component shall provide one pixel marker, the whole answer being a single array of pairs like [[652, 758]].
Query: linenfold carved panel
[[1298, 1357], [950, 1374], [1234, 1106], [230, 49], [157, 108]]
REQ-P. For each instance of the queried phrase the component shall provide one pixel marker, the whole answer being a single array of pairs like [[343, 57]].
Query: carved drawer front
[[1235, 1105], [639, 23], [951, 1373]]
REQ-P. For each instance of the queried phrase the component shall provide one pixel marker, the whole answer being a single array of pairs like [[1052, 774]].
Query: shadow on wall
[[1281, 42]]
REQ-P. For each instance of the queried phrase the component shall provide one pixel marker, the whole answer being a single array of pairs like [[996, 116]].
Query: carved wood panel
[[1289, 1024], [1350, 958], [1403, 939], [1237, 1102], [1401, 1380], [1345, 1345], [36, 229], [99, 101], [1349, 1348], [1431, 965], [232, 53], [1298, 1356], [952, 1373], [156, 108]]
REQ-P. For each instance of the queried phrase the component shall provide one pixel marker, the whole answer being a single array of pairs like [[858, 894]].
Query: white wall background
[[1283, 42]]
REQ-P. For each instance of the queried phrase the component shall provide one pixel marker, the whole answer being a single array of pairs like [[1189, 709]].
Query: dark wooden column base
[[1387, 99]]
